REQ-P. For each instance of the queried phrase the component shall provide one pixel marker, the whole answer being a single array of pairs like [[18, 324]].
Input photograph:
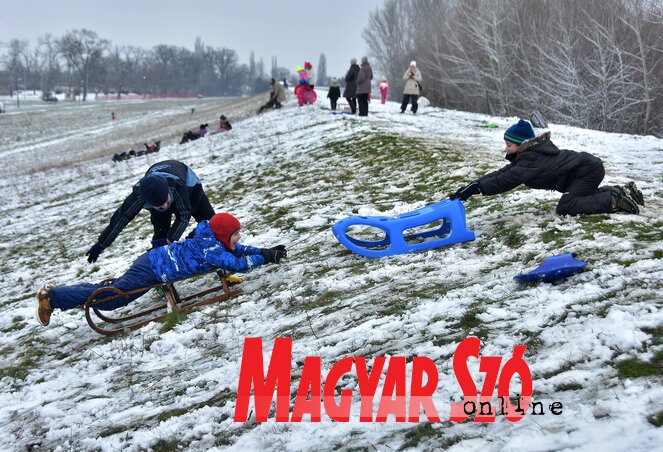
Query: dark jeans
[[332, 101], [140, 274], [583, 195], [201, 209], [406, 100], [352, 101], [272, 103], [362, 100]]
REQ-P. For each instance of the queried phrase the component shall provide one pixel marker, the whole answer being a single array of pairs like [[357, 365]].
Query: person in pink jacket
[[384, 89]]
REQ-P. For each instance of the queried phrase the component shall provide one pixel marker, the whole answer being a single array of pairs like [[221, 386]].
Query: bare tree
[[322, 71], [82, 50], [391, 39], [252, 72], [594, 63], [14, 62], [50, 66]]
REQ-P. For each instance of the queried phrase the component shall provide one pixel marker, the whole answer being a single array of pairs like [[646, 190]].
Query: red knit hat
[[223, 226]]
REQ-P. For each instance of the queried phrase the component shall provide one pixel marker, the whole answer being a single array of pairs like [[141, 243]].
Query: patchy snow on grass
[[289, 175]]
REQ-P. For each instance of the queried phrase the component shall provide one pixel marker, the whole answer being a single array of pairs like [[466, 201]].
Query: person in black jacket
[[334, 93], [168, 188], [538, 163], [350, 91]]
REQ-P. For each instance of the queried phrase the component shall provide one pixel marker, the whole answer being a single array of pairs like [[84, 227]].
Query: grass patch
[[573, 386], [172, 413], [635, 368], [166, 445], [656, 334], [471, 324], [171, 320], [656, 419]]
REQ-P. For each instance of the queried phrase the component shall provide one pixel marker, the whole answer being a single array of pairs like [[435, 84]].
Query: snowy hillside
[[594, 341]]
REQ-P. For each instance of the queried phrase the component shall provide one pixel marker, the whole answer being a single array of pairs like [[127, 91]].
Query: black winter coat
[[538, 164], [177, 174], [334, 92], [351, 81]]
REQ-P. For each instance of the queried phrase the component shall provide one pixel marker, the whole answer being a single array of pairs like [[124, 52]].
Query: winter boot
[[621, 202], [538, 120], [44, 308], [634, 193]]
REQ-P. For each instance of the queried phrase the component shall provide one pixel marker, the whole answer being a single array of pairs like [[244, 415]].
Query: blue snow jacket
[[201, 253]]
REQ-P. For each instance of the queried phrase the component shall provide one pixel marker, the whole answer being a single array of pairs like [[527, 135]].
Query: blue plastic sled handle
[[553, 268]]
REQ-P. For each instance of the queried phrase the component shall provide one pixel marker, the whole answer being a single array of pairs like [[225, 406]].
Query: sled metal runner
[[173, 303]]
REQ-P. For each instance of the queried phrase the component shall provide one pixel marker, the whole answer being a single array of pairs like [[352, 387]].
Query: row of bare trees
[[591, 63], [83, 60]]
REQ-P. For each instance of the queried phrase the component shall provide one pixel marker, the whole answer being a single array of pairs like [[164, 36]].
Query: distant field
[[66, 132]]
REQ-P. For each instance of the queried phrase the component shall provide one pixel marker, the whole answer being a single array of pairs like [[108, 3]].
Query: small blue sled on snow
[[553, 268], [449, 212]]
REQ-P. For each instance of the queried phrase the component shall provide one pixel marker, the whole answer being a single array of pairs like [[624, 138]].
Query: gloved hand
[[465, 192], [273, 256], [94, 252], [156, 243], [280, 248]]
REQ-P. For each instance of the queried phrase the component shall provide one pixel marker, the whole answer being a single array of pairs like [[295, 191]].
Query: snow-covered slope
[[288, 175]]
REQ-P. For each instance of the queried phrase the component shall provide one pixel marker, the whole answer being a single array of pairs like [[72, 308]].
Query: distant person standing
[[384, 90], [308, 67], [364, 78], [350, 92], [334, 93], [412, 88], [113, 116]]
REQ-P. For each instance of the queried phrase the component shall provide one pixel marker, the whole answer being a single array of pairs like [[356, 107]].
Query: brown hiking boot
[[622, 202], [44, 309]]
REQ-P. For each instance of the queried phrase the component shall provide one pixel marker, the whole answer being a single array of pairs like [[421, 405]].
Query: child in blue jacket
[[214, 245]]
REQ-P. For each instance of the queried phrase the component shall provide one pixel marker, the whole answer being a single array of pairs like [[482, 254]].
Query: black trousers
[[406, 100], [362, 100], [352, 101], [583, 195], [332, 101], [272, 103], [201, 209]]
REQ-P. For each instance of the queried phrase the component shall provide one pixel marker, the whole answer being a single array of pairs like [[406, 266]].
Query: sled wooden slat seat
[[174, 301]]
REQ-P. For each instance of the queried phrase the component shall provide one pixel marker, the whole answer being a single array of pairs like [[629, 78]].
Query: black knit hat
[[154, 190]]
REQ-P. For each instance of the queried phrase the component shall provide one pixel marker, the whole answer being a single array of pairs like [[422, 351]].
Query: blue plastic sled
[[553, 268], [450, 212]]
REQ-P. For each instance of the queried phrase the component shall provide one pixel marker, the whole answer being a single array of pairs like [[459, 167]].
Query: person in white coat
[[412, 88]]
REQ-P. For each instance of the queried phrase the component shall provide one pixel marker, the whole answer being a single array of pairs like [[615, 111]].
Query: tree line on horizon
[[593, 64], [83, 62]]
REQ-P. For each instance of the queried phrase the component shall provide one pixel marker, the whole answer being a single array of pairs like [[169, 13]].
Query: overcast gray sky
[[293, 31]]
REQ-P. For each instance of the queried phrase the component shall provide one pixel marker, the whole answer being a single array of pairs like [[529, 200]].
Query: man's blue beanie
[[519, 132], [154, 190]]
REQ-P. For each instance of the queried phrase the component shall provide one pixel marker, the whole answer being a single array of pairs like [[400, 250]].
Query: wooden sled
[[173, 301]]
